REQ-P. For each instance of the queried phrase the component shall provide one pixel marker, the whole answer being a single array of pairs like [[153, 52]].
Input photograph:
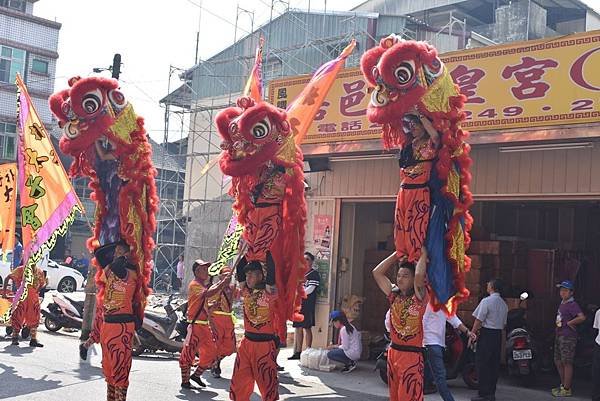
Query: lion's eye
[[261, 130], [404, 73]]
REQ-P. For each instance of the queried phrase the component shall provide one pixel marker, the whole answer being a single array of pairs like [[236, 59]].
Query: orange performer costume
[[256, 357], [413, 202], [118, 326], [223, 324], [27, 313], [405, 357], [200, 339]]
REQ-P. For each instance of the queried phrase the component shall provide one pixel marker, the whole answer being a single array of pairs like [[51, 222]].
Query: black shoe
[[187, 386], [83, 351], [198, 380], [280, 368], [349, 368], [481, 398], [35, 343], [295, 356], [15, 341]]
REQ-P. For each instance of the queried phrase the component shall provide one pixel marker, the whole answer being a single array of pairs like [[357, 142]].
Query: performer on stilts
[[419, 107], [109, 144], [200, 339], [26, 313], [256, 357], [222, 320]]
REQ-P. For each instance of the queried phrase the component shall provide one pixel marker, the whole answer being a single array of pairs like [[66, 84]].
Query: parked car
[[63, 278], [5, 264], [60, 278]]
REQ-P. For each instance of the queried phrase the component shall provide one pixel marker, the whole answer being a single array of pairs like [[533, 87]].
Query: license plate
[[520, 355]]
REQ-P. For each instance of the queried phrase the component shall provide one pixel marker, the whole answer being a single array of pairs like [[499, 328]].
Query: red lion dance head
[[99, 122], [409, 75], [257, 141]]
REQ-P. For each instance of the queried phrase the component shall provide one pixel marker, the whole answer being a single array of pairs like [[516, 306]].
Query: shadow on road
[[18, 350], [23, 385]]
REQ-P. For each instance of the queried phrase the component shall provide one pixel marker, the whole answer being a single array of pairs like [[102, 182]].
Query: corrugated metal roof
[[165, 160]]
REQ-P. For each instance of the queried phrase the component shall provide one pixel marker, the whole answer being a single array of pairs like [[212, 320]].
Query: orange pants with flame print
[[262, 229], [255, 362], [116, 341], [412, 218], [405, 375]]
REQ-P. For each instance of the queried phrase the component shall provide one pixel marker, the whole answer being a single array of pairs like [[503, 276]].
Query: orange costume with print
[[405, 359], [255, 361], [413, 202], [222, 321], [116, 332], [199, 339], [27, 313]]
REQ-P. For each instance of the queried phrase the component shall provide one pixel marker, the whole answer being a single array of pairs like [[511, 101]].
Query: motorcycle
[[459, 359], [159, 332], [63, 312], [521, 355]]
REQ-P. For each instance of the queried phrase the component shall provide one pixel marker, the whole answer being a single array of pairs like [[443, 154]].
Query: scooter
[[63, 312], [459, 359], [158, 332], [520, 348]]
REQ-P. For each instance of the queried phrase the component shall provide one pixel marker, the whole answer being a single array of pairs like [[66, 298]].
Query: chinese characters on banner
[[8, 205], [48, 202], [519, 85], [322, 229]]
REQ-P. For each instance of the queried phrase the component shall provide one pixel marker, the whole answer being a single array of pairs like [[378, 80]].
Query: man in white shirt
[[490, 320], [596, 364], [434, 340]]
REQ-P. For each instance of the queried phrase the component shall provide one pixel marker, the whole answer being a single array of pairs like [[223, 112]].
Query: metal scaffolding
[[202, 213]]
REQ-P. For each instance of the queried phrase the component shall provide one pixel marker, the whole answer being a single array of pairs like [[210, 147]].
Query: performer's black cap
[[253, 266], [105, 254]]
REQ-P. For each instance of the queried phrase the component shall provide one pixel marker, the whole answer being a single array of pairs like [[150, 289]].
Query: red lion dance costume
[[407, 77], [110, 146], [266, 168]]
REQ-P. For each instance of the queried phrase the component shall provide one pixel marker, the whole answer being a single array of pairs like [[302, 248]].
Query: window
[[14, 4], [39, 66], [12, 61], [7, 140], [272, 69]]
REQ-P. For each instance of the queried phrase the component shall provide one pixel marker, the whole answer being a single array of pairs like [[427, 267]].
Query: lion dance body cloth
[[268, 187], [410, 84], [109, 145]]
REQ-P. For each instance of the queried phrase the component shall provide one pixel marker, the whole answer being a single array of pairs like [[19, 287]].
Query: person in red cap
[[256, 358], [222, 320], [199, 339]]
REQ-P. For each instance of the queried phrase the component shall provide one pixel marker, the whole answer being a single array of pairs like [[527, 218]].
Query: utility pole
[[89, 305]]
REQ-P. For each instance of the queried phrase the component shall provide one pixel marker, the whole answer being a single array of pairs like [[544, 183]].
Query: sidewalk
[[365, 380]]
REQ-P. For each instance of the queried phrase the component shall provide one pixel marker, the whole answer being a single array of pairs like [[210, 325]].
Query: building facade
[[28, 46], [527, 197]]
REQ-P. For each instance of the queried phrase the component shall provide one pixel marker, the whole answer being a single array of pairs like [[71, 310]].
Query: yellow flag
[[8, 206], [48, 202]]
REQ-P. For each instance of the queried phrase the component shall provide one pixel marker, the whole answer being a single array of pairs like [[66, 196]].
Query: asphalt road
[[55, 373]]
